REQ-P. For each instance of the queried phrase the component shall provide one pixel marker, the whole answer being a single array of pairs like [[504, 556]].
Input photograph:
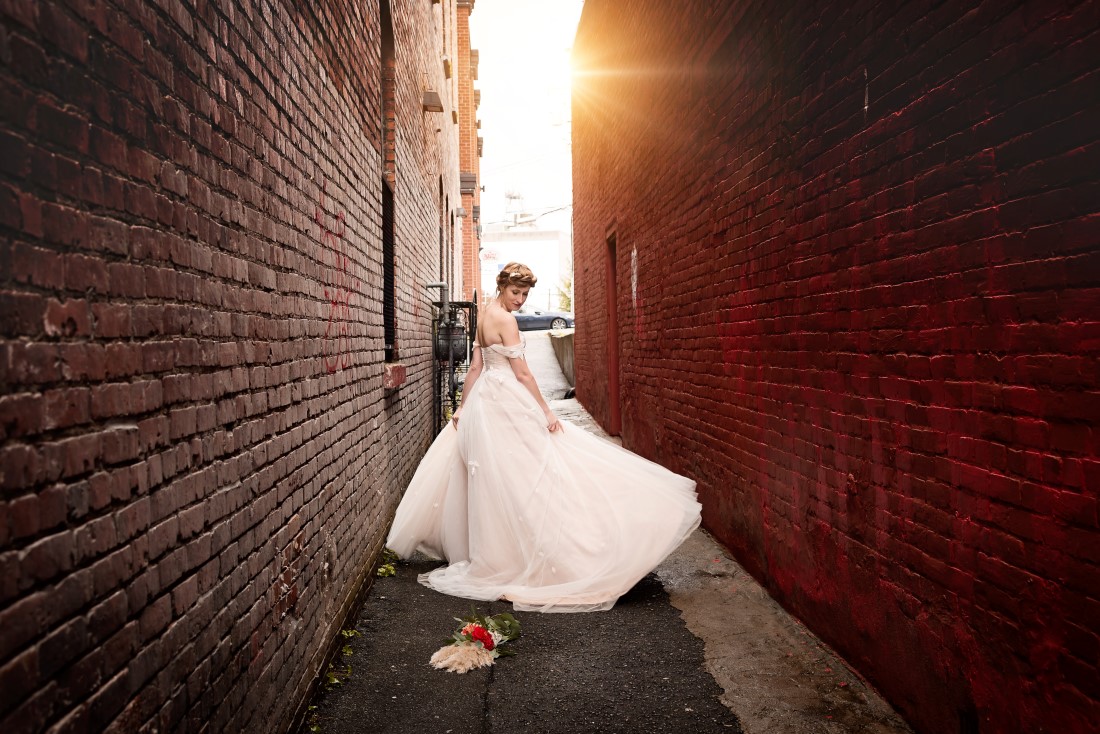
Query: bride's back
[[493, 324]]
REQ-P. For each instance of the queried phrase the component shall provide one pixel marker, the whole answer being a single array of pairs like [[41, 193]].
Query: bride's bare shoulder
[[495, 316], [494, 323]]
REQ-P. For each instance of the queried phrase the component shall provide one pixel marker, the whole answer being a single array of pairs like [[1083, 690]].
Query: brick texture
[[856, 287], [470, 154], [198, 456]]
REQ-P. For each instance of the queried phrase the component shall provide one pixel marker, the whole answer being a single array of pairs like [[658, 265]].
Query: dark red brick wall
[[857, 298], [198, 457]]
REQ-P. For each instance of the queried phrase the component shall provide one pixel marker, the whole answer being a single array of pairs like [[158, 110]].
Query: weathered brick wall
[[469, 153], [198, 456], [858, 281]]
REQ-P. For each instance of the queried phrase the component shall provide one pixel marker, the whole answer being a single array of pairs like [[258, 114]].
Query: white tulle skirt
[[563, 522]]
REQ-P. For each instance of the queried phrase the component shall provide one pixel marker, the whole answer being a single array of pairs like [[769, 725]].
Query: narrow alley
[[832, 270], [697, 647]]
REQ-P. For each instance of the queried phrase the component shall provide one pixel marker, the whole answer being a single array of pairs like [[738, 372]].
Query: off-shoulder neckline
[[522, 343]]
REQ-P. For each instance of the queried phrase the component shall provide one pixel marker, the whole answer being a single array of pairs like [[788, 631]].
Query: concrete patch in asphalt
[[777, 676]]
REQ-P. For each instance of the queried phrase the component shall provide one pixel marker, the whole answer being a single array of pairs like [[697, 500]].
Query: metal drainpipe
[[444, 299]]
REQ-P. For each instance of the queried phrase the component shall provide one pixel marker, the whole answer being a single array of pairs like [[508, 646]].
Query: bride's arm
[[510, 333], [471, 377]]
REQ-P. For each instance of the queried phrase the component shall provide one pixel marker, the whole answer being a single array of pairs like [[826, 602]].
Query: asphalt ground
[[698, 646], [635, 668]]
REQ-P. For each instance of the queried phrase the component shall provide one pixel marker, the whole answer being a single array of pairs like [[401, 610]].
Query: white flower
[[461, 658]]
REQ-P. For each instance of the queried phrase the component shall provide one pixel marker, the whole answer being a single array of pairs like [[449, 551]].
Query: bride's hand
[[552, 421], [454, 418]]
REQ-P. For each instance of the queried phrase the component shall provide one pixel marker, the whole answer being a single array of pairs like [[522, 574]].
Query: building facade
[[840, 266], [470, 149], [216, 228]]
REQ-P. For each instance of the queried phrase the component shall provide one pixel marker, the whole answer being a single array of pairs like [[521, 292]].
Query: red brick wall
[[198, 457], [857, 301], [469, 156]]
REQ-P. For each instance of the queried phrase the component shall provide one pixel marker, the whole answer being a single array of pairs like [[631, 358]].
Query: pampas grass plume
[[461, 658]]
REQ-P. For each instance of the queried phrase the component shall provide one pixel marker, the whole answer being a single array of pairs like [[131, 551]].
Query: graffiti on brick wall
[[636, 302], [634, 276], [336, 351], [288, 567]]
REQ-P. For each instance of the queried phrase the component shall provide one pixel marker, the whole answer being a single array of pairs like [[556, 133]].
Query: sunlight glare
[[525, 76]]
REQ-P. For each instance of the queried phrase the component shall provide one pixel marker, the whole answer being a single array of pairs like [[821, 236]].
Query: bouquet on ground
[[477, 643]]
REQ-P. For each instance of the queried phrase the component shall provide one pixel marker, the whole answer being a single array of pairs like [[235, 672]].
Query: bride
[[529, 508]]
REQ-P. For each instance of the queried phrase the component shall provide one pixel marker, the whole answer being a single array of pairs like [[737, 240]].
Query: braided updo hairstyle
[[515, 274]]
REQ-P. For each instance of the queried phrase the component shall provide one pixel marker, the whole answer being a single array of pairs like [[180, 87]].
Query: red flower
[[479, 634]]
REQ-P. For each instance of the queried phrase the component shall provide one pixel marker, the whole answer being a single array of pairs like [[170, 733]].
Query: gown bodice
[[553, 522], [496, 356]]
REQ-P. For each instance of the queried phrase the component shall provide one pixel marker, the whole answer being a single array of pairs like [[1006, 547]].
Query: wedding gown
[[553, 522]]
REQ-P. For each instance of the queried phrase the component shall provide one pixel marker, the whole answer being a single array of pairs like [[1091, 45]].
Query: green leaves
[[505, 625], [386, 560]]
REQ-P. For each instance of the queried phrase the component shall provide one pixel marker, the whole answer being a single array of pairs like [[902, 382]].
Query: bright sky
[[523, 76]]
